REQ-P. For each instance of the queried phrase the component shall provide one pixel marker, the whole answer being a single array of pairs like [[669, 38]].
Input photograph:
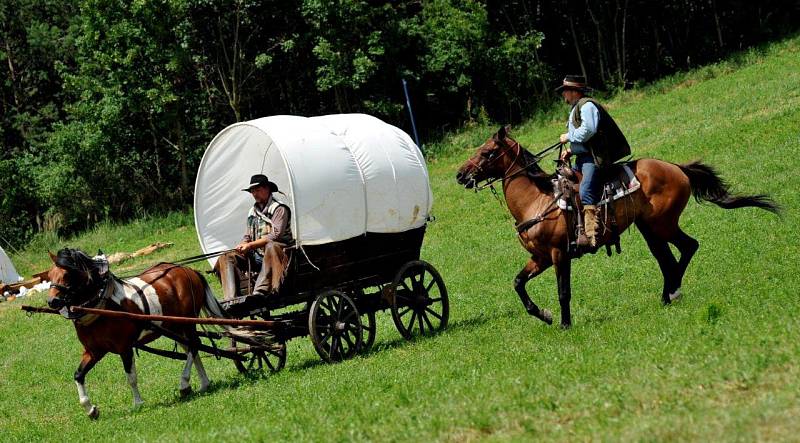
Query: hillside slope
[[722, 364]]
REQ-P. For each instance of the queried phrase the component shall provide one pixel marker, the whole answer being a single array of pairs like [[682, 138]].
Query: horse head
[[491, 161], [75, 278]]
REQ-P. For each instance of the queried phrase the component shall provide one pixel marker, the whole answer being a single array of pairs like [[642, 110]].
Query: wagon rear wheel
[[272, 358], [419, 303], [334, 326]]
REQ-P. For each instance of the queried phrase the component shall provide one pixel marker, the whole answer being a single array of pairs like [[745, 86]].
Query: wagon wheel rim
[[420, 305], [334, 326], [370, 328]]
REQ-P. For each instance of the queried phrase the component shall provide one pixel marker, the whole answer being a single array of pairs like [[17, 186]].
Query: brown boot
[[590, 221]]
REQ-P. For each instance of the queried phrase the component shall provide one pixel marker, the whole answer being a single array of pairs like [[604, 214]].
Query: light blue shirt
[[578, 136]]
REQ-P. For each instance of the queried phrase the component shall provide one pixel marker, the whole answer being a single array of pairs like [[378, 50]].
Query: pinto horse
[[164, 289], [654, 208]]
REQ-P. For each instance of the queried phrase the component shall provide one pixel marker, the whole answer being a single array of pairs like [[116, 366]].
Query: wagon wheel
[[272, 359], [420, 303], [334, 326]]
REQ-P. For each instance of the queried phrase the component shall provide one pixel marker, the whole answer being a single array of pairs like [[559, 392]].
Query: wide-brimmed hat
[[261, 180], [576, 82]]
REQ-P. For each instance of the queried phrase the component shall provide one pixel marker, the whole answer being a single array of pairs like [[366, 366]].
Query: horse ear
[[508, 129], [501, 133], [52, 257]]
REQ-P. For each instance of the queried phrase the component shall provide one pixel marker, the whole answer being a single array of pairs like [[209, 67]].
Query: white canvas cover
[[341, 176], [8, 274]]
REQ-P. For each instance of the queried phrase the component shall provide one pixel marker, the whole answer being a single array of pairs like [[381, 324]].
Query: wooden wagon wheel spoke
[[434, 313], [430, 285], [403, 314], [421, 324], [427, 320]]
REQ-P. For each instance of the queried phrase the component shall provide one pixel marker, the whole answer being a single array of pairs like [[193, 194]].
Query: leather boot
[[226, 266], [590, 220]]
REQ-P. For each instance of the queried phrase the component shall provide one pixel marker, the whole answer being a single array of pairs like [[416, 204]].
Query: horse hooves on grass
[[186, 392], [547, 316], [566, 326], [675, 295], [94, 414]]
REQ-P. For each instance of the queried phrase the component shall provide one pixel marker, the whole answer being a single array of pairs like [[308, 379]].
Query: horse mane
[[541, 179], [75, 260]]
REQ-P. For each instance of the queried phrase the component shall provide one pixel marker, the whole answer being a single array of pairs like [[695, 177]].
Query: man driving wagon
[[263, 245]]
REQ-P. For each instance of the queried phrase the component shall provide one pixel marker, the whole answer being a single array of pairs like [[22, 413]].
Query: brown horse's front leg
[[531, 270], [563, 268], [87, 363]]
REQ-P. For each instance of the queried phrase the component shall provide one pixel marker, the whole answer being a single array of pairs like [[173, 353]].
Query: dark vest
[[286, 238], [608, 144]]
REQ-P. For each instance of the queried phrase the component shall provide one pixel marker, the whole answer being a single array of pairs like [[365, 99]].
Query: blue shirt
[[578, 136]]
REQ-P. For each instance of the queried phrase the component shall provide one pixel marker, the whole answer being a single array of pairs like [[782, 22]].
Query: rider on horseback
[[596, 141]]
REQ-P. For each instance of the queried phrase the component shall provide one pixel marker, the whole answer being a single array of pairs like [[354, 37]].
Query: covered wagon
[[360, 201]]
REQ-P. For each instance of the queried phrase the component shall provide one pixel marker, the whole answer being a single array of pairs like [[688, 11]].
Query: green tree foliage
[[107, 105]]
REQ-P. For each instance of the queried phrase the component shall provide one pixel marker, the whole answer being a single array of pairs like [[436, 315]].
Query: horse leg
[[666, 261], [87, 363], [185, 387], [531, 270], [129, 364], [687, 246], [563, 268], [198, 365]]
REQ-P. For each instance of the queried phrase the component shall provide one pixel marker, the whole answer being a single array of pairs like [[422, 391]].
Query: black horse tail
[[709, 186]]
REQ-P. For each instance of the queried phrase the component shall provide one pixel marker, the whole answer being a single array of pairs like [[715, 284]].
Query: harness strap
[[527, 224]]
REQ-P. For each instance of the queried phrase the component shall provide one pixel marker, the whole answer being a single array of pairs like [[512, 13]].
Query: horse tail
[[707, 185], [211, 306]]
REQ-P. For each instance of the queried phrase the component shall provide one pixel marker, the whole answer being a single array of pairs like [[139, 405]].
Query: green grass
[[722, 364]]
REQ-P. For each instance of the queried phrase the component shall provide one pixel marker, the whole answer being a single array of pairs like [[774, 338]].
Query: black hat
[[576, 82], [261, 180]]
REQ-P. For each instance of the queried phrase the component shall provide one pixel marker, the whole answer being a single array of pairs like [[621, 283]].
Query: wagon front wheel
[[271, 357], [419, 302], [334, 326]]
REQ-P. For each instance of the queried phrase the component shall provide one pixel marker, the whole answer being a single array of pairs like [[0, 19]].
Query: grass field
[[721, 364]]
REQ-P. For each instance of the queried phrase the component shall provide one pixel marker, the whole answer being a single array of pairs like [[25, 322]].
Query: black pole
[[411, 113]]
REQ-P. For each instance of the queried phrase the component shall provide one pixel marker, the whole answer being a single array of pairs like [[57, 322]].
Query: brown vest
[[608, 144]]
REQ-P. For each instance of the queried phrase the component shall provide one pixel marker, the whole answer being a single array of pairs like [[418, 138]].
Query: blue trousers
[[591, 186]]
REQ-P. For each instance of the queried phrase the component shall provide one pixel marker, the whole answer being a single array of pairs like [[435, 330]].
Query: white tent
[[7, 272], [341, 175]]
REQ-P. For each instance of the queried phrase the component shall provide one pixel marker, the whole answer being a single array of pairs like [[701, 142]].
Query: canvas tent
[[341, 175], [7, 272]]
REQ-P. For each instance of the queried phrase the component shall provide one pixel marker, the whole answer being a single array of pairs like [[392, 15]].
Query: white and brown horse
[[164, 289]]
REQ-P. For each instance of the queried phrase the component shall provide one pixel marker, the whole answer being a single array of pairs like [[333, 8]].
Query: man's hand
[[243, 247], [564, 138], [566, 154]]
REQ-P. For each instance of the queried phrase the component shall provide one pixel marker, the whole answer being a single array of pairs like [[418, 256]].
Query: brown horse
[[164, 289], [655, 209]]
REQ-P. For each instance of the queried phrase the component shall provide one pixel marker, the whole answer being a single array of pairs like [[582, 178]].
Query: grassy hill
[[721, 364]]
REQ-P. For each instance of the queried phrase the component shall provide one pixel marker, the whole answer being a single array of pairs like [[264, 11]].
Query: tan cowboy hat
[[576, 82]]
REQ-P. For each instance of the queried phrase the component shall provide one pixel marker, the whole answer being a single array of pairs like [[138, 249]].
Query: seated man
[[262, 247]]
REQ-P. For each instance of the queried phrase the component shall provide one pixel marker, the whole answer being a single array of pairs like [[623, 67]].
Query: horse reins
[[551, 207]]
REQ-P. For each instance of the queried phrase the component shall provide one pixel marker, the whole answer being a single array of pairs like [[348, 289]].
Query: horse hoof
[[675, 295], [185, 392], [94, 413], [566, 326], [547, 316]]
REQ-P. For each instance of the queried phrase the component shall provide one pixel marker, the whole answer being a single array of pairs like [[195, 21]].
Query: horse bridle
[[488, 183], [491, 161]]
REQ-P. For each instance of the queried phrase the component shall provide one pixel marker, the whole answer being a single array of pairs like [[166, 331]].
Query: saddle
[[619, 181]]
